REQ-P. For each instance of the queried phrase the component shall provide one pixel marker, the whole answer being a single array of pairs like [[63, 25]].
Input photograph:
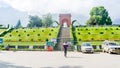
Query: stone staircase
[[64, 36]]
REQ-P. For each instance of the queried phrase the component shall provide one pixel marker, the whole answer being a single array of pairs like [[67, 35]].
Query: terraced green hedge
[[24, 35], [97, 34]]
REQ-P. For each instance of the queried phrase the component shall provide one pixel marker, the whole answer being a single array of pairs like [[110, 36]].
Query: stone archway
[[65, 18]]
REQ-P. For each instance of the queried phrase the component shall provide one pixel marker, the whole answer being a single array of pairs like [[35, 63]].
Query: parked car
[[111, 47], [87, 48]]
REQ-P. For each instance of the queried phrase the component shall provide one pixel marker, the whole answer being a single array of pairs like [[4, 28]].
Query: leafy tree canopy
[[99, 16], [18, 25], [35, 21], [47, 20]]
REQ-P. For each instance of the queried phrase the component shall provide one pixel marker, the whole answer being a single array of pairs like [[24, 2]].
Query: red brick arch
[[65, 18]]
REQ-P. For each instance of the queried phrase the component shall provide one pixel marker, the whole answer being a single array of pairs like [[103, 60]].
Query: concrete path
[[44, 59]]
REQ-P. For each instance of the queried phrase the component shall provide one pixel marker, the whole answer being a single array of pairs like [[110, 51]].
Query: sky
[[13, 10]]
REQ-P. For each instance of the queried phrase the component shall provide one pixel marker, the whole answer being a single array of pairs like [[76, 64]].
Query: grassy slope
[[2, 30], [37, 36], [96, 35]]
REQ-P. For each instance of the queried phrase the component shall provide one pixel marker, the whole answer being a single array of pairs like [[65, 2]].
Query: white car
[[110, 47], [87, 48]]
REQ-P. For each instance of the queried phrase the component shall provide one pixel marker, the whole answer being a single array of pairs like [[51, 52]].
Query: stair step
[[65, 33]]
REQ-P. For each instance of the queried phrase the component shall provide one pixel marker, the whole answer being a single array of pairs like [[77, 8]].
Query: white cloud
[[52, 6], [62, 6], [75, 7]]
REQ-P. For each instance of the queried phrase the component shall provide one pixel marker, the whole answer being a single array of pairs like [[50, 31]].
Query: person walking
[[65, 46]]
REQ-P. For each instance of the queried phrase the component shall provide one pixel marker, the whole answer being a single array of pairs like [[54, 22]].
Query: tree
[[1, 25], [57, 22], [99, 16], [47, 20], [18, 25], [73, 22], [73, 33], [35, 21]]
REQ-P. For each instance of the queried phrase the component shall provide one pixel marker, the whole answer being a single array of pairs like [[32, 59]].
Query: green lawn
[[24, 43], [30, 36], [92, 42], [2, 30], [96, 35]]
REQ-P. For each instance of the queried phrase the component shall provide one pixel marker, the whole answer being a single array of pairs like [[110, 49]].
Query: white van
[[110, 47], [87, 48]]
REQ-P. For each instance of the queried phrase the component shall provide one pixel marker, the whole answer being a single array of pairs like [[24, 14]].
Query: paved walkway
[[37, 59]]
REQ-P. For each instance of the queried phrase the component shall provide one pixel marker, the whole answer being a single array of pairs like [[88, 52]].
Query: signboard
[[1, 40], [49, 43], [53, 40]]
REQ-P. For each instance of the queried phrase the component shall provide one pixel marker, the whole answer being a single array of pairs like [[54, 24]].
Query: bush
[[42, 30], [28, 35], [97, 50], [38, 34], [24, 31], [117, 29], [49, 34], [16, 31], [101, 32], [79, 39], [106, 29], [51, 29], [88, 32], [112, 32], [78, 33], [33, 30]]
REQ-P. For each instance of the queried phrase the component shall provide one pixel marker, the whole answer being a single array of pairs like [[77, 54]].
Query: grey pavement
[[56, 59]]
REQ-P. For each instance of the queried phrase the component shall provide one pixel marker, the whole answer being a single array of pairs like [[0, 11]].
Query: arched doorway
[[65, 20], [64, 23]]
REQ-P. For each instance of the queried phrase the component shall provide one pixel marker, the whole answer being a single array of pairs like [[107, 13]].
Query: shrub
[[117, 29], [28, 35], [46, 39], [20, 39], [97, 50], [101, 32], [86, 29], [106, 29], [92, 38], [42, 30], [19, 35], [33, 30], [38, 34], [52, 30], [10, 35], [78, 33], [39, 39], [31, 39], [112, 32], [49, 34], [79, 39], [24, 31], [111, 28], [88, 32], [16, 31]]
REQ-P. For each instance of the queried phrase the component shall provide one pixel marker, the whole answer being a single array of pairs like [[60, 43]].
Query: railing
[[58, 40]]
